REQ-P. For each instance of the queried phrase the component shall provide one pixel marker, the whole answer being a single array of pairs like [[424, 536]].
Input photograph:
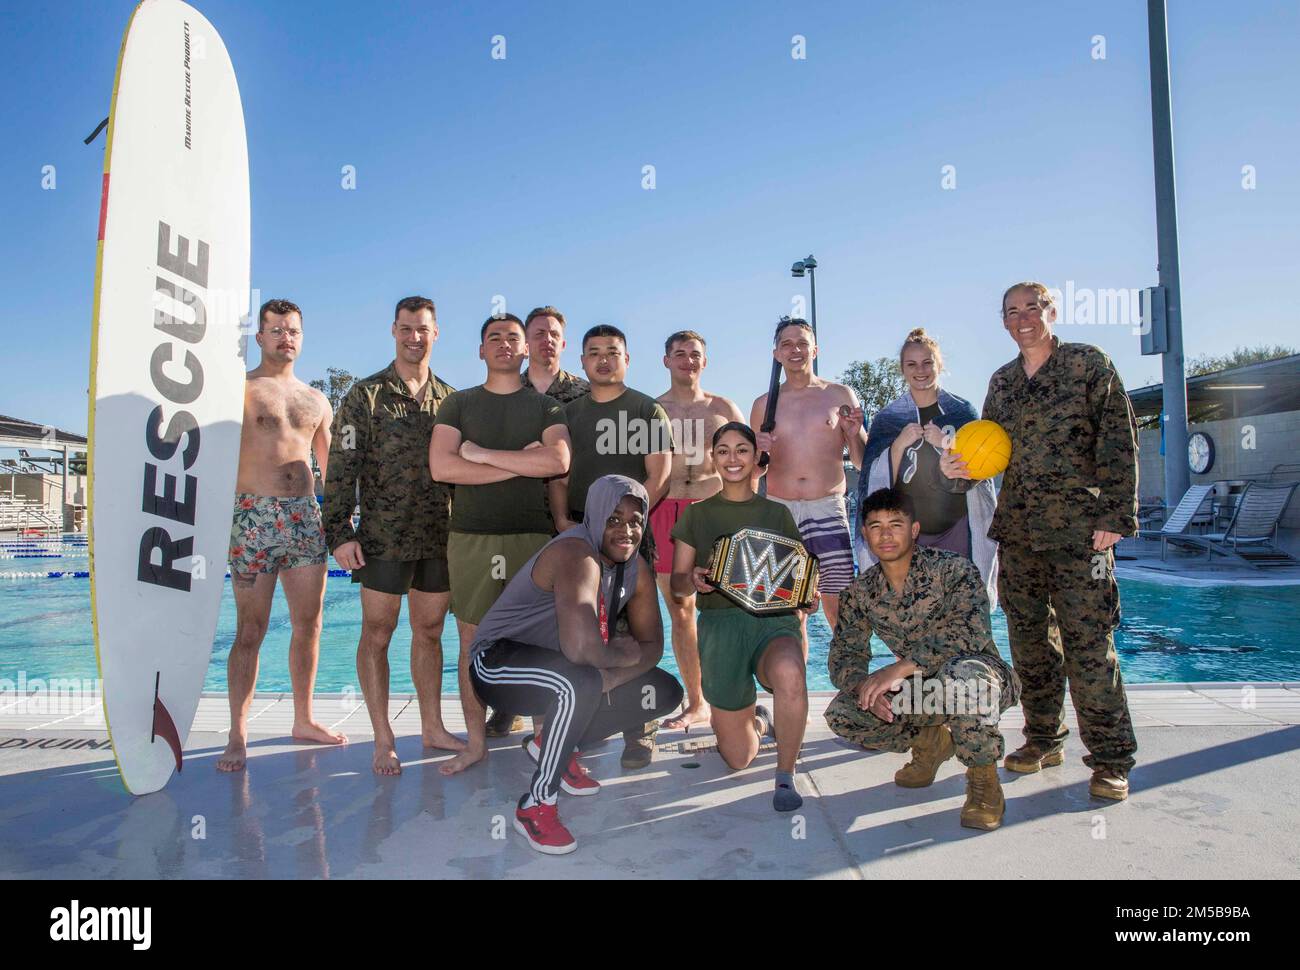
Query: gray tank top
[[525, 612]]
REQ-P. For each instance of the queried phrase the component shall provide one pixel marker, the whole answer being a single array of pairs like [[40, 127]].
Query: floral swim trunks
[[270, 534]]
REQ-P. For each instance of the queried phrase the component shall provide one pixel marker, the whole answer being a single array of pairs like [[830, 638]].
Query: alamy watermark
[[953, 696], [1085, 306], [53, 698]]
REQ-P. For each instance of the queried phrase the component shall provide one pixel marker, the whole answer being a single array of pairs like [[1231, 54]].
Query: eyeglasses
[[278, 332]]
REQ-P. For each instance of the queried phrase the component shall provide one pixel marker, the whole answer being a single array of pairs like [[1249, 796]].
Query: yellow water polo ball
[[985, 447]]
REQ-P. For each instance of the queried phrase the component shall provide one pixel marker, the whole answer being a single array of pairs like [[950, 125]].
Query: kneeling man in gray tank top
[[548, 646]]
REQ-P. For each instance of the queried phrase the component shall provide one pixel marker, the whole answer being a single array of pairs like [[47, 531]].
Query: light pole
[[802, 267], [1174, 382]]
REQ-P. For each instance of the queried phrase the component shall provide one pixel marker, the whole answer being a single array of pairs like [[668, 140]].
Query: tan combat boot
[[984, 802], [933, 746], [1109, 783], [639, 746], [1029, 757]]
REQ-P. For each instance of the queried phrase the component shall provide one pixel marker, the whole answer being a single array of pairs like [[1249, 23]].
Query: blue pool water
[[1169, 633]]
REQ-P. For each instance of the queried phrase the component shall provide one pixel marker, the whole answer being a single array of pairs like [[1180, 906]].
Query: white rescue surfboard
[[166, 379]]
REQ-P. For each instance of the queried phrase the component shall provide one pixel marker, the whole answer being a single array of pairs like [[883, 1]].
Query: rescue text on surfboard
[[158, 539]]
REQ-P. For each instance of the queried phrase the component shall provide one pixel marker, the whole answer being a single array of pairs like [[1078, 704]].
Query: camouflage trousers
[[1062, 607], [975, 735]]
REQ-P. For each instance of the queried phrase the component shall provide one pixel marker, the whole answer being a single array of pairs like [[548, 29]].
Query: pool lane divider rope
[[85, 574]]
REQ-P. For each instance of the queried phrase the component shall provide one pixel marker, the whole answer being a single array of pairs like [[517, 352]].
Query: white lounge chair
[[1251, 535], [1181, 517]]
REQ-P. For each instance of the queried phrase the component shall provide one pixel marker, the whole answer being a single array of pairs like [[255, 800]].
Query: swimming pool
[[1169, 633]]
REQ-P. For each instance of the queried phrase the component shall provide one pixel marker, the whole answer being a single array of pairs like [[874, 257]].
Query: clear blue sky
[[522, 177]]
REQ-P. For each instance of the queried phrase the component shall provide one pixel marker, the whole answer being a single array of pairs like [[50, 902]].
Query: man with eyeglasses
[[1068, 496], [277, 532]]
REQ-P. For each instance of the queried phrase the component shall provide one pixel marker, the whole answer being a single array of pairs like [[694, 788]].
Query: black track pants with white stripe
[[524, 679]]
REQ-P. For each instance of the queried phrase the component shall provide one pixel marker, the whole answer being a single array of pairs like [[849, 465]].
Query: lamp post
[[803, 267], [1174, 383]]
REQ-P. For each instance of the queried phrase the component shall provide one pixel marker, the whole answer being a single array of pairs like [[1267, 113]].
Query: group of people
[[549, 513]]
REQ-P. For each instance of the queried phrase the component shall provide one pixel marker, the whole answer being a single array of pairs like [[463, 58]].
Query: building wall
[[1276, 441], [44, 488]]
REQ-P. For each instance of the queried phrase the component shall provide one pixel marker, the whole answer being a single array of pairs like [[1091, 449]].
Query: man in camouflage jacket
[[931, 610], [379, 457], [1069, 494]]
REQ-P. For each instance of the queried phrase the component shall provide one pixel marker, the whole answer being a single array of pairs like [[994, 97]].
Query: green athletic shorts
[[400, 576], [731, 643], [481, 564]]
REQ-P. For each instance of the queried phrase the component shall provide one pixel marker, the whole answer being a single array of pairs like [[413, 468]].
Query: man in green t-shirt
[[496, 443], [735, 646], [615, 430]]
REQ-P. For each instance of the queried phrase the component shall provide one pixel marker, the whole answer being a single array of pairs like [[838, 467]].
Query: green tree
[[1209, 364], [335, 386], [877, 382]]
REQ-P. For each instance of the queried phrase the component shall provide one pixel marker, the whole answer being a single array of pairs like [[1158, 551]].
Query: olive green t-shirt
[[503, 422], [613, 438], [703, 522]]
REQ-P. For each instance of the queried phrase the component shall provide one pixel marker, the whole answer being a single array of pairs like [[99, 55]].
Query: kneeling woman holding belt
[[736, 645]]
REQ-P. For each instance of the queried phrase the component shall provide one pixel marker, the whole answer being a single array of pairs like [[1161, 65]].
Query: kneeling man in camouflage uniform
[[948, 688]]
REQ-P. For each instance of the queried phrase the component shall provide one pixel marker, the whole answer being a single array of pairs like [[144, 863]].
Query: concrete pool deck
[[1212, 797]]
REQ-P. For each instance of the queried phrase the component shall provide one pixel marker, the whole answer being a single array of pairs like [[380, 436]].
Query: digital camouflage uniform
[[565, 388], [1073, 471], [939, 621], [381, 443]]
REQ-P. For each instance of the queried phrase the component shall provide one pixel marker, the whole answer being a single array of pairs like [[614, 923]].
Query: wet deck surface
[[1212, 797]]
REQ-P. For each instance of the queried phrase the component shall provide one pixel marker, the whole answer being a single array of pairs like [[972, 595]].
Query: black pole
[[812, 282]]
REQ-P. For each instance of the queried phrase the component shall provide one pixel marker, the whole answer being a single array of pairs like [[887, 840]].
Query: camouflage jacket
[[565, 388], [1073, 450], [380, 455], [941, 613]]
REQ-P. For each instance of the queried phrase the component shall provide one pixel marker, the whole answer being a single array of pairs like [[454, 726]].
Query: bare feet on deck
[[234, 757], [442, 739], [386, 762], [688, 718], [311, 731], [465, 759]]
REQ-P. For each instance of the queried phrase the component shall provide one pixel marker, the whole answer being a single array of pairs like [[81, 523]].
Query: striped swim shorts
[[824, 528]]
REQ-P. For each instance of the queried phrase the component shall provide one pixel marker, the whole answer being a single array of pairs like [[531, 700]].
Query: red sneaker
[[575, 780], [541, 826]]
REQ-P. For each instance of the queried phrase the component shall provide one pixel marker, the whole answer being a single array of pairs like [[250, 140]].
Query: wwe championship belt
[[763, 572]]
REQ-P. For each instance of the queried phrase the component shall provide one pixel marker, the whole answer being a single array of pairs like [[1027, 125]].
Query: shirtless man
[[815, 421], [695, 414], [277, 526]]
